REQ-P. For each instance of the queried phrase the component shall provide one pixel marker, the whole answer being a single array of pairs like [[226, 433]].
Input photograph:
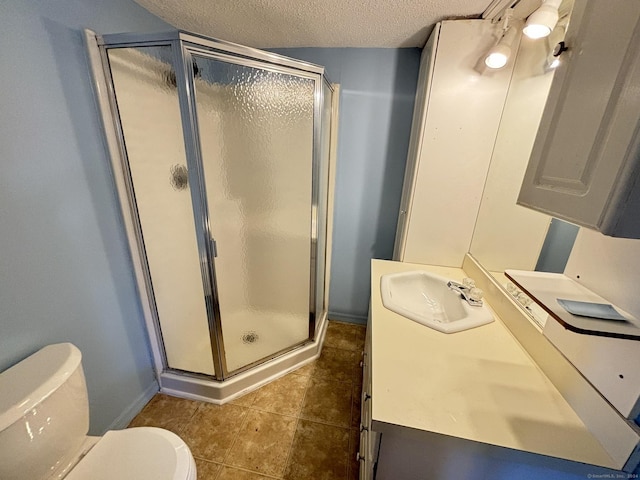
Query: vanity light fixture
[[499, 54], [542, 22]]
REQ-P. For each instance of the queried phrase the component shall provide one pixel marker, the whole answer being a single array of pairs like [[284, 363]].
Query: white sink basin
[[425, 298]]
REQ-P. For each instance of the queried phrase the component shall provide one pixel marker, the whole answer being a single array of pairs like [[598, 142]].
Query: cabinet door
[[425, 80], [584, 163], [455, 137]]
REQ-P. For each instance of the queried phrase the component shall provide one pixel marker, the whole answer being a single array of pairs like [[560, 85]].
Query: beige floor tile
[[342, 335], [263, 443], [307, 370], [212, 430], [337, 364], [328, 401], [255, 432], [354, 463], [361, 334], [207, 470], [230, 473], [358, 372], [282, 396], [319, 452], [165, 411], [245, 400]]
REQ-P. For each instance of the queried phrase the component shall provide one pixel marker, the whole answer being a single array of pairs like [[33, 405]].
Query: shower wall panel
[[149, 112]]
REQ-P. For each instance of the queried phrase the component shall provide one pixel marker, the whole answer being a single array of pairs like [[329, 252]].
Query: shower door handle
[[214, 247]]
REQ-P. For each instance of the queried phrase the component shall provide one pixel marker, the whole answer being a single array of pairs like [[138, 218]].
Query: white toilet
[[44, 420]]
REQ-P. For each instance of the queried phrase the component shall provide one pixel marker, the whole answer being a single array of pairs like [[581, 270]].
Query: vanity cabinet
[[585, 163], [369, 439], [474, 404]]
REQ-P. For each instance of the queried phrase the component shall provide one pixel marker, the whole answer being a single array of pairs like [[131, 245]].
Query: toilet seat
[[143, 453]]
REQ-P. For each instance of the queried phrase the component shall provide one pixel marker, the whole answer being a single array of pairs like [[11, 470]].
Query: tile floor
[[303, 426]]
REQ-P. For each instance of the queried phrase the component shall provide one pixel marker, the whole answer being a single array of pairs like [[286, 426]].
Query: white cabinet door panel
[[584, 161]]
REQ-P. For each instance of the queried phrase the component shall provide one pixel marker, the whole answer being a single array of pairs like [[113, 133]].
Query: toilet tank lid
[[30, 381]]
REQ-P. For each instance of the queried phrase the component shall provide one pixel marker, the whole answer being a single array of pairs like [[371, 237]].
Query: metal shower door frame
[[183, 46]]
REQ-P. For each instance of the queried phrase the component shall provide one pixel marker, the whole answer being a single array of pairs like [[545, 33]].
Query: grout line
[[264, 410], [327, 423], [209, 461], [237, 435], [246, 470], [351, 415], [259, 410], [290, 453], [295, 414], [191, 417], [323, 422], [219, 474], [355, 349], [226, 462], [330, 379], [202, 459], [349, 453]]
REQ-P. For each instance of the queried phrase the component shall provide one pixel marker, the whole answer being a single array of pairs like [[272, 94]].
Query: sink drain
[[250, 337]]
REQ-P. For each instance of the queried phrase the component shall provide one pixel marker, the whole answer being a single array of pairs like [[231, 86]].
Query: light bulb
[[495, 60], [536, 31], [497, 56], [541, 22]]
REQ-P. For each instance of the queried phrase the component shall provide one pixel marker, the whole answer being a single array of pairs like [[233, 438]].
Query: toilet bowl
[[44, 421]]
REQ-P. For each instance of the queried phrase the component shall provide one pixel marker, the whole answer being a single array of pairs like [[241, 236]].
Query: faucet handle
[[468, 282], [476, 294]]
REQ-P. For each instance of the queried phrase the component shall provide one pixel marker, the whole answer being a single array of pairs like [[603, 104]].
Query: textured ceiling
[[313, 23]]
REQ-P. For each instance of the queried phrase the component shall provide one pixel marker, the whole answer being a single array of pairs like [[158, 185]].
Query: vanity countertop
[[478, 384]]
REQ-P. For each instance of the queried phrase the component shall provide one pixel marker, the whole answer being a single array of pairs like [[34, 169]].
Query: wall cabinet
[[456, 119], [585, 163]]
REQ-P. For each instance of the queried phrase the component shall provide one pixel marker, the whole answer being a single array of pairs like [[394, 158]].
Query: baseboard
[[132, 410], [348, 317]]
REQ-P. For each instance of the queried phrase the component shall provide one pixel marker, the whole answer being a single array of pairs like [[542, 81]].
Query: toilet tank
[[44, 414]]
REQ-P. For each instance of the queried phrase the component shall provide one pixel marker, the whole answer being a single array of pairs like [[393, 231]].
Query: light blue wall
[[65, 273], [557, 246], [378, 88]]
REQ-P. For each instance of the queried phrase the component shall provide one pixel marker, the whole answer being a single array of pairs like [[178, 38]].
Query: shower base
[[219, 392], [247, 340]]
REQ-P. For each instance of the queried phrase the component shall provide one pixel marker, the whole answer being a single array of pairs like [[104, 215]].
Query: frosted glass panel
[[147, 100], [256, 134]]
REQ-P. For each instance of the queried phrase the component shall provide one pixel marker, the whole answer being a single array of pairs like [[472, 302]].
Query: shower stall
[[220, 155]]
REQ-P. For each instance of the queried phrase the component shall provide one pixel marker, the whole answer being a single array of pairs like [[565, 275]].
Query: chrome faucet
[[467, 289]]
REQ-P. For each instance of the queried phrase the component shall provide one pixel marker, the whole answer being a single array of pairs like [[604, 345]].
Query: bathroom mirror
[[507, 235]]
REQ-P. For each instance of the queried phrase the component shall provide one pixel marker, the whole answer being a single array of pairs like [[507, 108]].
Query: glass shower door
[[256, 131]]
